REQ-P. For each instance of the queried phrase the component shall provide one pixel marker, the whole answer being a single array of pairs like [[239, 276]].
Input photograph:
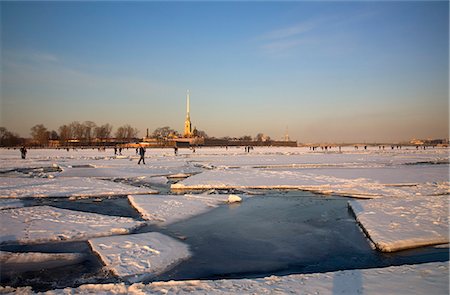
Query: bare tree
[[165, 132], [245, 138], [259, 137], [53, 135], [8, 138], [201, 133], [103, 131], [89, 128], [40, 134], [126, 132], [65, 133], [77, 130]]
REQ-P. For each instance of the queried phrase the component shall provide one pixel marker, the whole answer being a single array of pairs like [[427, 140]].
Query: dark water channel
[[277, 233]]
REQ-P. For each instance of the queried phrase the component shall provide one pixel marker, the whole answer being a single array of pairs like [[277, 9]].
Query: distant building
[[187, 122], [429, 141]]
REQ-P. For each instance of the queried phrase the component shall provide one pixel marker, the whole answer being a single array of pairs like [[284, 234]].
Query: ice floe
[[32, 261], [139, 256], [11, 187], [400, 223], [40, 224], [428, 278], [312, 180], [168, 209]]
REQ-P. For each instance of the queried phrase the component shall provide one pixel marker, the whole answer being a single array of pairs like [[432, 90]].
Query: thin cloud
[[282, 40], [44, 57], [290, 31], [282, 45], [34, 57]]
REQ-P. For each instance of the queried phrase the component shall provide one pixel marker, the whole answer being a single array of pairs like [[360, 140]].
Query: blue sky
[[330, 71]]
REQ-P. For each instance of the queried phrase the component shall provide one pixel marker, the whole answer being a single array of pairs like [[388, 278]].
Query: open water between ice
[[280, 232]]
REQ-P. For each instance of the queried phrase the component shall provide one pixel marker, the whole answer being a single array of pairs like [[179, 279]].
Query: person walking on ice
[[142, 154], [23, 152]]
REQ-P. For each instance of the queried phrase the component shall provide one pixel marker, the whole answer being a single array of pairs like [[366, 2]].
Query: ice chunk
[[32, 261], [427, 278], [306, 179], [38, 224], [65, 187], [400, 223], [168, 209], [234, 199], [139, 256]]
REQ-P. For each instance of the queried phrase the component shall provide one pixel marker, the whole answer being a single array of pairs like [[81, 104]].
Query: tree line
[[89, 132], [85, 132]]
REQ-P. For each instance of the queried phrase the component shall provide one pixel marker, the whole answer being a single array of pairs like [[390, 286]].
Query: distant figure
[[23, 152], [142, 154], [115, 150], [175, 150], [137, 151], [365, 147], [120, 151]]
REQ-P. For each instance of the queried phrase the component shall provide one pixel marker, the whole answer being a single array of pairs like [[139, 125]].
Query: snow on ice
[[11, 187], [427, 278], [32, 261], [139, 256], [400, 223], [40, 224], [306, 179], [168, 209]]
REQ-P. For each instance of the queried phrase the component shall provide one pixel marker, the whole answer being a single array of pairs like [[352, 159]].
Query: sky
[[325, 71]]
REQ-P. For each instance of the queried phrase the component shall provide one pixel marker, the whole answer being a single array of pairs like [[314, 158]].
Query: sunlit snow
[[400, 223], [168, 209], [11, 187], [39, 224], [139, 256]]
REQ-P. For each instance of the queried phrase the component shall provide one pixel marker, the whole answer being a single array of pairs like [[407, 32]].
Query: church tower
[[187, 122]]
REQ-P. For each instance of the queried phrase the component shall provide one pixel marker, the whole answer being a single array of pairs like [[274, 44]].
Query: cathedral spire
[[187, 105], [187, 122]]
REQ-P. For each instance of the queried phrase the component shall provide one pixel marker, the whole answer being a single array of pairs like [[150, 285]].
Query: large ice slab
[[11, 187], [32, 261], [40, 224], [400, 223], [428, 278], [139, 256], [167, 209], [316, 181]]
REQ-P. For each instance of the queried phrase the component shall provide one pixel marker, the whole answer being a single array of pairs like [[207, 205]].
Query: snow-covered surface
[[234, 199], [11, 187], [409, 208], [309, 179], [139, 256], [39, 224], [31, 261], [400, 223], [168, 209], [428, 278], [10, 203]]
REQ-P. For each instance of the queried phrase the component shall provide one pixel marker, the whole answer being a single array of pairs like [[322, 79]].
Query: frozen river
[[302, 212]]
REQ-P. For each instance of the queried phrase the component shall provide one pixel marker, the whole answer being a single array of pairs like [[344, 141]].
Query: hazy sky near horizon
[[329, 71]]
